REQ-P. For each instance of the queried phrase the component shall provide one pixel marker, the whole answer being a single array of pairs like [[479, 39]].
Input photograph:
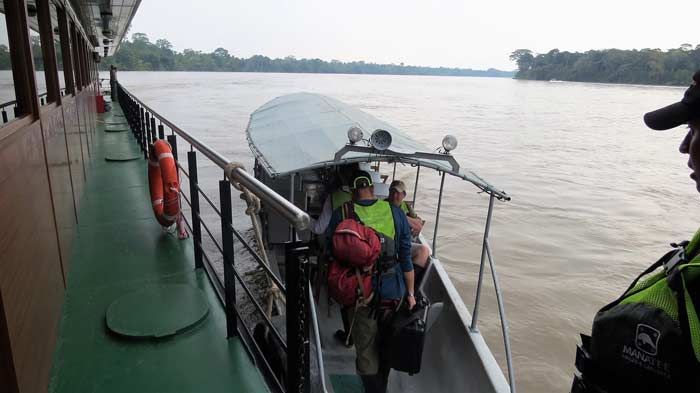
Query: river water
[[596, 196]]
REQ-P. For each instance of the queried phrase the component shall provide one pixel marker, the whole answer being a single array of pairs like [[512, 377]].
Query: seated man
[[397, 194]]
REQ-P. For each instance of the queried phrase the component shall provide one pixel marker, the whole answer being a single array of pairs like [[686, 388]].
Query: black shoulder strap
[[650, 269], [349, 211], [676, 283]]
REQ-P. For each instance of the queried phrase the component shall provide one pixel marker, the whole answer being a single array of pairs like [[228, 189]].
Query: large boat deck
[[120, 248]]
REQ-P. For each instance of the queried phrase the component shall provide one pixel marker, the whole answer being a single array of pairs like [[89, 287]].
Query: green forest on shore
[[646, 66], [140, 54]]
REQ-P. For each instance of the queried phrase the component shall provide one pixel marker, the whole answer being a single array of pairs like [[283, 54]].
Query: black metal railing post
[[172, 140], [296, 274], [16, 111], [194, 202], [148, 127], [142, 128], [227, 245], [161, 132], [153, 128], [4, 115]]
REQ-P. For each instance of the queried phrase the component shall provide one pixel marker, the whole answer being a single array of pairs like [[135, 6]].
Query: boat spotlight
[[354, 134], [380, 139], [449, 143]]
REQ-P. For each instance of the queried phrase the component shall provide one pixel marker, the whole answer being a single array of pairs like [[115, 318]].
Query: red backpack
[[356, 248]]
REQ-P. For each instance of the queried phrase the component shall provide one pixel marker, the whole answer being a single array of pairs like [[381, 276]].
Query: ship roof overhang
[[103, 22], [306, 131]]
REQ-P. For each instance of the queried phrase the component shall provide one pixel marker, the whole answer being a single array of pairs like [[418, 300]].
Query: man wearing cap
[[397, 194], [687, 111], [395, 282]]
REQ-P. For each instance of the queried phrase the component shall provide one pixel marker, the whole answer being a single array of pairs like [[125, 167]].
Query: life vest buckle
[[677, 258]]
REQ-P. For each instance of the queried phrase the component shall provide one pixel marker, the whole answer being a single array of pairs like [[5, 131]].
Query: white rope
[[253, 208]]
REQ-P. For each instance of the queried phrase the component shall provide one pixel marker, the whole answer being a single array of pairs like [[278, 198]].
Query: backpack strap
[[676, 283], [348, 210], [661, 262]]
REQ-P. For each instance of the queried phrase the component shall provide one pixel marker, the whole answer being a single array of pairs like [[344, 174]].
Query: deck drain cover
[[122, 156], [157, 311]]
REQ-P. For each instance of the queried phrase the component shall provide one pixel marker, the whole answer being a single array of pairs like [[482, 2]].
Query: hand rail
[[142, 120], [8, 103], [299, 218], [486, 254]]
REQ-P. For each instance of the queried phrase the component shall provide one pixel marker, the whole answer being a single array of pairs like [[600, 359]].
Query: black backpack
[[648, 340]]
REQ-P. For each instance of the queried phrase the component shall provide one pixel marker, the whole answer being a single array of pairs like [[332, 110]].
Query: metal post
[[475, 315], [393, 174], [194, 201], [415, 187], [16, 110], [42, 101], [296, 268], [142, 130], [4, 115], [172, 140], [437, 216], [504, 321], [148, 127], [292, 231], [161, 132], [227, 245], [153, 128]]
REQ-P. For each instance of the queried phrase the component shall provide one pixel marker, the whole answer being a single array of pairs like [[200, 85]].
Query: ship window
[[42, 83], [7, 85], [55, 29], [75, 56], [35, 40]]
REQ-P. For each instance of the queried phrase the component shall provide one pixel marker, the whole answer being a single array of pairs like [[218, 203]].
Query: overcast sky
[[469, 34]]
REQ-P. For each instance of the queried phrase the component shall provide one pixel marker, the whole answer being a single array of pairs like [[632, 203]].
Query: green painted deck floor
[[120, 248]]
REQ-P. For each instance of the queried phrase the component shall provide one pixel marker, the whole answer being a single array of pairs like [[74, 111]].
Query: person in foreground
[[395, 282], [646, 341]]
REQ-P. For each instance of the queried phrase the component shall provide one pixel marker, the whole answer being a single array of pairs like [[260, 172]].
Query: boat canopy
[[303, 131]]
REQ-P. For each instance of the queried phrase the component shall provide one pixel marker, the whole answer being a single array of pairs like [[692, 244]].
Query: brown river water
[[596, 196]]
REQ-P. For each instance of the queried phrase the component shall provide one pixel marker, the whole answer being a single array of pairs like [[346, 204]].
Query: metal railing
[[3, 110], [486, 254], [142, 120], [16, 112]]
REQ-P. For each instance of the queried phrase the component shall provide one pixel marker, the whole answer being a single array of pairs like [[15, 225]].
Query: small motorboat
[[300, 143]]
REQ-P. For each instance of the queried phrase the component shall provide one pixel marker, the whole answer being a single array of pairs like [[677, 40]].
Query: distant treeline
[[140, 54], [646, 66]]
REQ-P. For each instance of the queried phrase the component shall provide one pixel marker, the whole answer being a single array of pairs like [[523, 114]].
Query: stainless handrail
[[317, 339], [297, 217], [486, 254]]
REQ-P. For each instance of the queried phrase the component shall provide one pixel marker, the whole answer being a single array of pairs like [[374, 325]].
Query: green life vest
[[338, 197], [377, 216], [649, 338], [404, 207]]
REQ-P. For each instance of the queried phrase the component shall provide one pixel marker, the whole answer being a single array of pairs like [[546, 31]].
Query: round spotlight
[[354, 134], [380, 139], [449, 143]]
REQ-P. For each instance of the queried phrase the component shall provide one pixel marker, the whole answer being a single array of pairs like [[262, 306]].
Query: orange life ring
[[163, 183]]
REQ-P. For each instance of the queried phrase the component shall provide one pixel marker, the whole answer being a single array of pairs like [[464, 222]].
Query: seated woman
[[397, 194]]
